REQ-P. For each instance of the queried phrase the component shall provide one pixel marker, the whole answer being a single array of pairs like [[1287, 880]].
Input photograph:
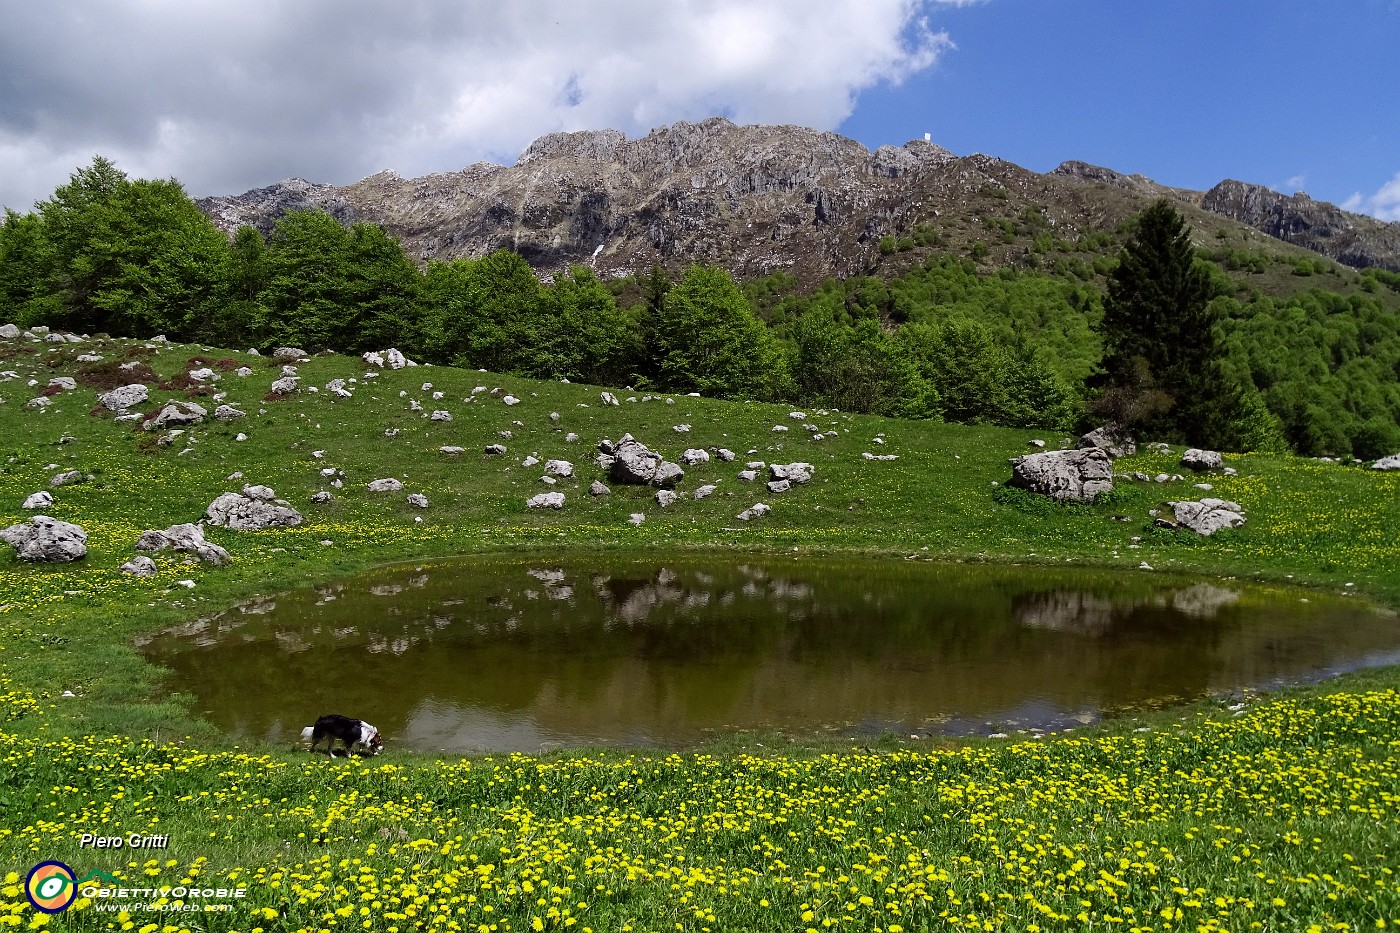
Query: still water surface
[[528, 652]]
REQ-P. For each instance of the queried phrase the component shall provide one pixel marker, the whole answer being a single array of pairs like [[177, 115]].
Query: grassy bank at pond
[[1282, 816]]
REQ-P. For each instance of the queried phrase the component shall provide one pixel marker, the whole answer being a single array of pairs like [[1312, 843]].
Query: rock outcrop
[[255, 508], [46, 540], [1078, 475]]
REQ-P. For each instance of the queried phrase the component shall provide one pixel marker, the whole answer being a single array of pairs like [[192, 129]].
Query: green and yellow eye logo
[[51, 887]]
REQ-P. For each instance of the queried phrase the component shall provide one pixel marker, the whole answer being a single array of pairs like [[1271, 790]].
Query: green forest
[[1165, 338]]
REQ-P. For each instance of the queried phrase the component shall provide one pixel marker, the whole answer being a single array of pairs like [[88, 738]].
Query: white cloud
[[1383, 205], [1294, 183], [228, 94]]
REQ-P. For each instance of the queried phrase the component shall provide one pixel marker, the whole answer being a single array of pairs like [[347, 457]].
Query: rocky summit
[[762, 199]]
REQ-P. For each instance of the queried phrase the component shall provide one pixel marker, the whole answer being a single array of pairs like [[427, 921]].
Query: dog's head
[[375, 743]]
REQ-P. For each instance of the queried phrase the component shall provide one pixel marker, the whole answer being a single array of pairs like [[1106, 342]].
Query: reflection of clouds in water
[[386, 589], [1203, 601], [434, 724]]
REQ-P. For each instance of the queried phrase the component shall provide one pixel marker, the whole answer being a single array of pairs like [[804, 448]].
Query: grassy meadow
[[1271, 813]]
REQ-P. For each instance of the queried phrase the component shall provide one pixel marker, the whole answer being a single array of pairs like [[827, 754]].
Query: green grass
[[1220, 817]]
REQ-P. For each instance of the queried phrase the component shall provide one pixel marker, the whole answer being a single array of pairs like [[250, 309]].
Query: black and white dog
[[350, 731]]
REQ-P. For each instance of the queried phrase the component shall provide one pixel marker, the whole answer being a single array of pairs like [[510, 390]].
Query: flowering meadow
[[1280, 813]]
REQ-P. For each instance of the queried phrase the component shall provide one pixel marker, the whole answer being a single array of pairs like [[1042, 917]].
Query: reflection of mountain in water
[[1086, 613]]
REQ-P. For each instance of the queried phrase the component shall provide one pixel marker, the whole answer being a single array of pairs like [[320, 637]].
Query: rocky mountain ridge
[[759, 199]]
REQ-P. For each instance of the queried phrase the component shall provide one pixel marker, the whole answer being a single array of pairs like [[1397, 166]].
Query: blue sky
[[1285, 93], [227, 95]]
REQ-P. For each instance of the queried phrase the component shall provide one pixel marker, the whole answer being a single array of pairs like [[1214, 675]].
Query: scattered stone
[[634, 464], [228, 413], [286, 385], [186, 538], [243, 372], [636, 518], [418, 500], [452, 450], [1037, 443], [530, 461], [245, 512], [748, 476], [511, 400], [1065, 474], [609, 398], [598, 489], [39, 500], [387, 484], [46, 540], [1387, 464], [779, 485], [1111, 439], [559, 468], [204, 374], [799, 474], [495, 450], [288, 353], [724, 455], [38, 402], [322, 497], [66, 478], [1206, 516], [546, 500], [1201, 460], [123, 397], [665, 497], [869, 456], [694, 455], [176, 414], [705, 491], [9, 331], [797, 416], [441, 416], [681, 428], [549, 480], [66, 383], [240, 437], [140, 566], [1206, 486], [570, 437], [554, 416], [756, 510], [779, 428]]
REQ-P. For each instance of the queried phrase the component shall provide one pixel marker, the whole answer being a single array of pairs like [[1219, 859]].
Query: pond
[[532, 652]]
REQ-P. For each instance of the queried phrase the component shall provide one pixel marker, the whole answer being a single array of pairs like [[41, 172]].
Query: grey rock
[[1201, 460], [724, 455], [228, 413], [1111, 439], [495, 450], [779, 485], [609, 398], [441, 416], [245, 513], [288, 353], [665, 497], [243, 371], [668, 474], [123, 397], [46, 540], [188, 538], [1207, 516], [546, 500], [1386, 464], [598, 489], [66, 383], [452, 450], [322, 497], [757, 510], [798, 474], [152, 540], [694, 455], [66, 478], [418, 500], [748, 476], [9, 331], [286, 385], [633, 463], [140, 566], [705, 491], [1065, 474], [176, 414], [38, 401], [570, 437], [39, 500], [261, 493], [559, 468], [204, 374], [387, 484]]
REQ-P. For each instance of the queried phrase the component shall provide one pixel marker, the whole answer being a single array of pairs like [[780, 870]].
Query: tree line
[[1166, 350]]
